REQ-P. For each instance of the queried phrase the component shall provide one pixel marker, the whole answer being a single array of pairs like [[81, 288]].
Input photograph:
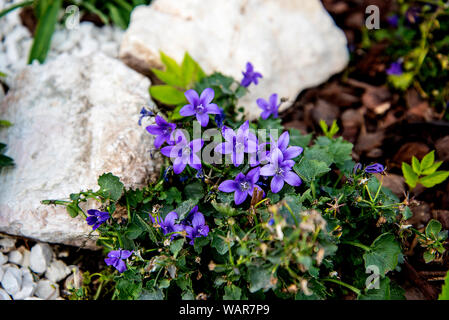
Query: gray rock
[[40, 257], [74, 119], [295, 44], [47, 290], [15, 257], [12, 280], [4, 295], [26, 258], [1, 273], [57, 271]]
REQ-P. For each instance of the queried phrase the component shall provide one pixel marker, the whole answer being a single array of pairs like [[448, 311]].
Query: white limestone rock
[[295, 44], [47, 290], [4, 295], [15, 257], [57, 271], [12, 280], [28, 286], [40, 257], [3, 259], [7, 243], [74, 119]]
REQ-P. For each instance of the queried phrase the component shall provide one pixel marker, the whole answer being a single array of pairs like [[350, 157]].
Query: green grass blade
[[14, 7], [44, 32]]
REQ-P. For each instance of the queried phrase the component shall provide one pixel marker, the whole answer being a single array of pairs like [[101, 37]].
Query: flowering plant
[[252, 214]]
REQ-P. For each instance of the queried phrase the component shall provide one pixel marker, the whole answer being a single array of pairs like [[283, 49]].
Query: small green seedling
[[424, 172], [330, 133], [433, 239]]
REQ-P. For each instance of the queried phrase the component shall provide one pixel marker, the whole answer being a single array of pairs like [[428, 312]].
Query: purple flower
[[238, 144], [250, 75], [219, 118], [269, 107], [183, 152], [200, 106], [357, 167], [163, 130], [168, 224], [144, 113], [393, 20], [198, 227], [242, 186], [96, 218], [260, 156], [395, 69], [116, 257], [282, 144], [375, 168], [280, 169]]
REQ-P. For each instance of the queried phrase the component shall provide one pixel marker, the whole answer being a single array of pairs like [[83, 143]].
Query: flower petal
[[292, 179], [283, 141], [228, 186], [187, 111], [207, 96], [213, 109], [240, 196], [195, 162], [196, 145], [179, 165], [262, 103], [192, 96], [154, 129], [198, 219], [253, 175], [276, 184], [170, 218], [268, 170], [160, 121], [292, 152], [203, 119]]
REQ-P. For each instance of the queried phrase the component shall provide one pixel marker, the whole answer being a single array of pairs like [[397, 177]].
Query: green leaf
[[410, 177], [167, 94], [153, 294], [297, 139], [232, 292], [225, 209], [259, 278], [386, 291], [15, 6], [428, 160], [219, 243], [185, 207], [44, 31], [133, 231], [147, 227], [433, 228], [169, 78], [428, 256], [73, 209], [434, 179], [191, 71], [176, 246], [384, 253], [403, 81], [171, 195], [5, 124], [416, 166], [444, 295], [407, 213], [194, 191], [116, 16], [110, 186], [434, 167], [310, 170], [171, 65]]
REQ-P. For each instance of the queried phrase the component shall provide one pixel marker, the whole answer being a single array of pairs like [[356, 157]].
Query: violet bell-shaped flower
[[200, 106], [242, 186]]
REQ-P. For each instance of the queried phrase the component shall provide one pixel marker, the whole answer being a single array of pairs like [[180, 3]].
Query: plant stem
[[356, 244], [357, 291]]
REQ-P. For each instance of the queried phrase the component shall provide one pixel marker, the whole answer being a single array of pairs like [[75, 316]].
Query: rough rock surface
[[73, 119], [81, 40], [295, 44]]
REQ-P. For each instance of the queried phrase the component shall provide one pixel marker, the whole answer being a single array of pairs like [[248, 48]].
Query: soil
[[385, 126]]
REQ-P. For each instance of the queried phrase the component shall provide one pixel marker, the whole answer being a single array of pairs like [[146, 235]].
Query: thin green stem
[[357, 291]]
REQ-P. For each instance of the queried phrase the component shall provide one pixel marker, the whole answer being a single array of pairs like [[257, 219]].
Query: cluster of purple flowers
[[279, 167], [194, 225]]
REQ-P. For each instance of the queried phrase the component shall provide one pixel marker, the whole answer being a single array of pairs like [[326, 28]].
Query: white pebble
[[28, 285], [47, 290], [40, 257], [57, 271], [12, 280], [7, 244], [3, 259], [15, 257], [4, 295]]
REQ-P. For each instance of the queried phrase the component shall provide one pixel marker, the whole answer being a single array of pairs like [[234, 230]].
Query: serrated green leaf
[[311, 169], [384, 253], [191, 70], [428, 160], [428, 256], [171, 65], [410, 177], [386, 291], [298, 139], [416, 166], [434, 167], [185, 207], [169, 78], [194, 191], [434, 178], [218, 242], [133, 231], [110, 186], [167, 94]]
